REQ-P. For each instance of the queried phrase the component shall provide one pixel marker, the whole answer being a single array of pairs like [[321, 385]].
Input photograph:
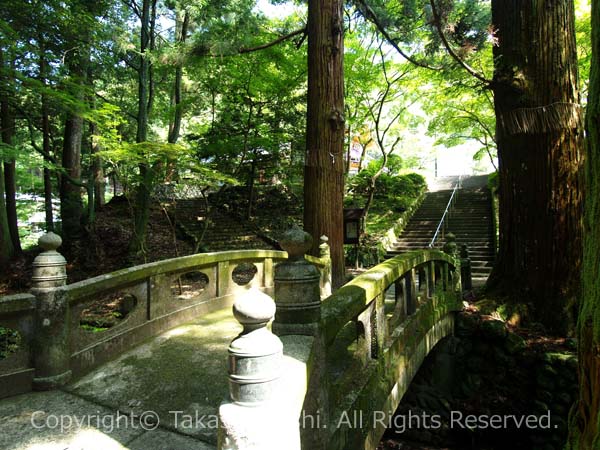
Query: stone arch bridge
[[184, 369]]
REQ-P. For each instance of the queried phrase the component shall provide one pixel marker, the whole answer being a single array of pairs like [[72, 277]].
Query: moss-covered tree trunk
[[324, 165], [584, 426], [540, 142]]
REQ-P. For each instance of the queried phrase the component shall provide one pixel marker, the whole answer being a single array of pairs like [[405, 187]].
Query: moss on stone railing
[[352, 298], [372, 352], [17, 303], [136, 274], [153, 309]]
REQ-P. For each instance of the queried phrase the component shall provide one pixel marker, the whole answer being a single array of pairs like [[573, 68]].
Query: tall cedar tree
[[584, 426], [9, 242], [540, 151], [8, 130], [142, 199], [71, 206], [324, 166]]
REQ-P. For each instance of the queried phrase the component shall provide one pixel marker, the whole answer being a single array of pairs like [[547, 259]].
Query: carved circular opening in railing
[[10, 341], [244, 273], [107, 312], [189, 285]]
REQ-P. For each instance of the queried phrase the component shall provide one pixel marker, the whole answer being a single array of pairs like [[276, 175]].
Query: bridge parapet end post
[[297, 287], [465, 268], [451, 248], [52, 338], [325, 256], [255, 355], [251, 419]]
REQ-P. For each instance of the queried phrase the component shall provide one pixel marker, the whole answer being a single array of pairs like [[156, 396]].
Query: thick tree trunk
[[181, 31], [177, 96], [584, 426], [324, 165], [539, 133], [49, 214], [97, 175], [10, 186], [46, 145], [6, 247], [7, 123], [71, 206], [142, 198]]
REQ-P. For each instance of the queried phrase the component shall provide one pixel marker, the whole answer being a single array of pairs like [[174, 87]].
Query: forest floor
[[104, 248]]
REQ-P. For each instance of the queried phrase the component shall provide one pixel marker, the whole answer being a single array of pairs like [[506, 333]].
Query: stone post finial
[[296, 242], [50, 241], [255, 356], [450, 246], [254, 309]]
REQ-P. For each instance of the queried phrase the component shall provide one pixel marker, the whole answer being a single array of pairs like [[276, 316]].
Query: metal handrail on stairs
[[441, 226]]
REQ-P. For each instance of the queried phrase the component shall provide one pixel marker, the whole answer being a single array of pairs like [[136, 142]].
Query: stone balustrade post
[[52, 338], [255, 356], [297, 287], [249, 420], [451, 248], [325, 256], [465, 268], [411, 291]]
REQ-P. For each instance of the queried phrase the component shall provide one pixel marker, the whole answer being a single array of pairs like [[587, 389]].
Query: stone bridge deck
[[161, 395], [164, 394]]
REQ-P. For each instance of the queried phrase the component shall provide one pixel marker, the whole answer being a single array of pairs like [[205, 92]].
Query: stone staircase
[[470, 221], [224, 232]]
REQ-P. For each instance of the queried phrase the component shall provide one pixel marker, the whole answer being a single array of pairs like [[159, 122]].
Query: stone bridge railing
[[376, 332], [53, 346], [362, 347]]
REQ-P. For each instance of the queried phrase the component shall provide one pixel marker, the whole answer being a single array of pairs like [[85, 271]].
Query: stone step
[[462, 234], [481, 264], [469, 220], [470, 243]]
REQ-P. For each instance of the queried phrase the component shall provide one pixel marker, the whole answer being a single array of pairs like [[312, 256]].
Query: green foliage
[[370, 252], [398, 188], [394, 194], [257, 114], [493, 182], [10, 340], [583, 28], [465, 24]]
